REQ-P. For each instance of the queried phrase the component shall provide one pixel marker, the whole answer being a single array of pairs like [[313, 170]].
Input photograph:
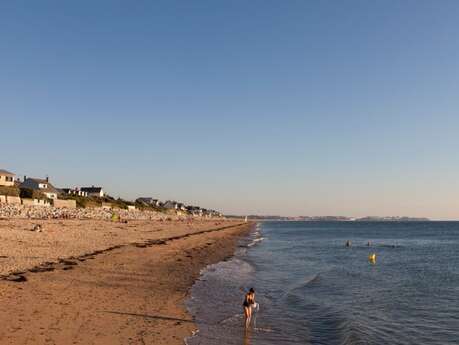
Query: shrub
[[9, 191], [28, 193]]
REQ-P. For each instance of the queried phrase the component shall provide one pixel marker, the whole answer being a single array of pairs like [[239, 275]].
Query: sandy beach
[[97, 282]]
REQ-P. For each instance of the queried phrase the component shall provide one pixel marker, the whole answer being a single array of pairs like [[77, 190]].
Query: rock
[[16, 278], [41, 269], [9, 211], [67, 262]]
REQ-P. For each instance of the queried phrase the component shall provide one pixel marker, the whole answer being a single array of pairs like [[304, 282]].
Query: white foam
[[255, 241], [193, 334]]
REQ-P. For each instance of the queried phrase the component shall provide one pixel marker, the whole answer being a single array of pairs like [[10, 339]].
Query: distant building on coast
[[179, 207], [170, 205], [42, 185], [38, 192], [85, 191], [93, 191], [6, 178], [195, 211], [148, 201], [174, 205], [74, 191]]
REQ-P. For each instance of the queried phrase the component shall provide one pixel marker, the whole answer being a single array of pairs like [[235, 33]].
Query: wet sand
[[129, 294]]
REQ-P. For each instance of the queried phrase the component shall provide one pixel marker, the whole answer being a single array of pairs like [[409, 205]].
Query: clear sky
[[269, 107]]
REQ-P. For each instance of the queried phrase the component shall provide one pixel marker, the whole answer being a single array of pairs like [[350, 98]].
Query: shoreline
[[129, 294]]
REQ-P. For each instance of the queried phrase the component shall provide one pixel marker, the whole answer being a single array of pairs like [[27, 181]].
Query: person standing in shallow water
[[249, 301]]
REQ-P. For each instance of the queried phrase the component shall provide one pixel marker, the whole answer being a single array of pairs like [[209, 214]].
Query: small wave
[[295, 294], [255, 241], [231, 319], [329, 325], [233, 269], [314, 279]]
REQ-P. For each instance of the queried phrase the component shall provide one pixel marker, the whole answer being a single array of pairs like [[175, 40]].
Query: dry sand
[[122, 294]]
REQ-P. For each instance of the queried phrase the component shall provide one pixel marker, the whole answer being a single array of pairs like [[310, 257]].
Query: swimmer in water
[[249, 301]]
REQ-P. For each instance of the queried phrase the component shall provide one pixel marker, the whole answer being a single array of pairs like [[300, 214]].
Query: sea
[[313, 289]]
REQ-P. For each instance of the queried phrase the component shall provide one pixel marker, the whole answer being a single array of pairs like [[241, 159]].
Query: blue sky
[[270, 107]]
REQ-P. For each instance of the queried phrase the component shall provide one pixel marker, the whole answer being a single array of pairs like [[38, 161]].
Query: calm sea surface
[[314, 290]]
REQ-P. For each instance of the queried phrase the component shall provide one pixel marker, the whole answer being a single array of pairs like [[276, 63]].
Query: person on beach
[[249, 301]]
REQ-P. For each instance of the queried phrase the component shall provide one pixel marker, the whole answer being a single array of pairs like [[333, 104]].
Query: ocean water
[[312, 289]]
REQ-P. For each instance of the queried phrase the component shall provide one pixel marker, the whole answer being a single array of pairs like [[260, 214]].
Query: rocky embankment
[[8, 211]]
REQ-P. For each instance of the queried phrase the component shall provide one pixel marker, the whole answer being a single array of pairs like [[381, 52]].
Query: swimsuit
[[246, 303]]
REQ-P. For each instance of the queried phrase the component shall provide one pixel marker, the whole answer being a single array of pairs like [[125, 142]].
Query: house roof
[[38, 180], [147, 200], [91, 189], [170, 204], [50, 188], [6, 173]]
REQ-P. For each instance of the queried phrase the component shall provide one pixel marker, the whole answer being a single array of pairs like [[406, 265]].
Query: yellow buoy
[[372, 258]]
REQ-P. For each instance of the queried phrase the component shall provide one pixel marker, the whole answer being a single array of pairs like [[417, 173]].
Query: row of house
[[178, 206], [8, 179], [85, 191]]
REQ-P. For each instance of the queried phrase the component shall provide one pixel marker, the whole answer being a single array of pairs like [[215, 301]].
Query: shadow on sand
[[156, 317]]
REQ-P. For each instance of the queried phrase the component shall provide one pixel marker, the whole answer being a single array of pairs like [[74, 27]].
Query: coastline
[[131, 293]]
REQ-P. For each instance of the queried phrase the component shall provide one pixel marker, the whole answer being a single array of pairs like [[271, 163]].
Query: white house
[[6, 178], [93, 191], [74, 191], [43, 185], [148, 201]]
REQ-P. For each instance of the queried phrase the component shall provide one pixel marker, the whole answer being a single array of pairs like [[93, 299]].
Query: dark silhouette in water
[[249, 301]]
